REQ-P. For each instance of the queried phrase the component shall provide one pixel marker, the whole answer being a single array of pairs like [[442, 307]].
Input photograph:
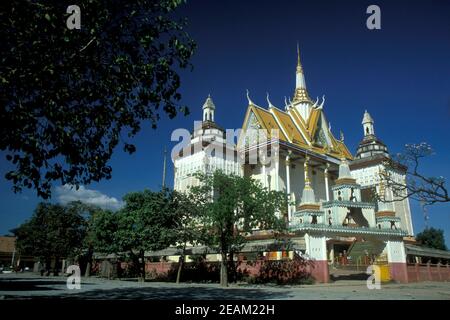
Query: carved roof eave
[[307, 227], [389, 219], [337, 203], [302, 213], [344, 186]]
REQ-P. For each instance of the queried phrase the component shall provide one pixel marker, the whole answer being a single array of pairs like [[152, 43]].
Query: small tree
[[432, 238], [146, 223], [233, 207], [188, 229], [102, 226], [418, 186], [54, 231]]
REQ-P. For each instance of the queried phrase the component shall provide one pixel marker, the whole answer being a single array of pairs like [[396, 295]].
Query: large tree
[[432, 238], [68, 97], [233, 207], [418, 186], [54, 231]]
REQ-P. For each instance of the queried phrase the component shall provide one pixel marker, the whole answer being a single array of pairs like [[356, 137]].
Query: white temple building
[[333, 213], [208, 151]]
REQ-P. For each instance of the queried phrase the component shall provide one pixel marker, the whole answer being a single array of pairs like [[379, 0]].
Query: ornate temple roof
[[302, 123]]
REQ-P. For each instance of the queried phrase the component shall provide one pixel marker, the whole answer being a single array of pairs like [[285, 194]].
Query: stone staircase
[[358, 249]]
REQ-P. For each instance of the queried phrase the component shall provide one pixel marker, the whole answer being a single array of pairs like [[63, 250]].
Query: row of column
[[288, 162]]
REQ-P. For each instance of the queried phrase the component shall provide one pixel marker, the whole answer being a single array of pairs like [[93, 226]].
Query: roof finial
[[323, 101], [250, 102], [315, 103], [268, 101]]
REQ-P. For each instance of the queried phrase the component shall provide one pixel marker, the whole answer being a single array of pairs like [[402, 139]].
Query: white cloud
[[68, 193]]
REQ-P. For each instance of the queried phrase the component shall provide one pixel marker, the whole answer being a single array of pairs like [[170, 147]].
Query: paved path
[[26, 286]]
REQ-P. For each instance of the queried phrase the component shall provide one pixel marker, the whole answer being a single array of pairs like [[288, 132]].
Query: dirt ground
[[28, 286]]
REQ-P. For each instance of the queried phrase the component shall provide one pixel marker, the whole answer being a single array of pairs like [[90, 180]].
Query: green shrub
[[282, 272]]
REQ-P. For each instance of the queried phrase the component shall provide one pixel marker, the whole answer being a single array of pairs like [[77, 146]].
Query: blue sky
[[400, 74]]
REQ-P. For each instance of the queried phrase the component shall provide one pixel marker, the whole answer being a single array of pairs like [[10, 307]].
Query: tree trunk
[[224, 270], [55, 268], [181, 263], [48, 266], [233, 268], [87, 273], [142, 266]]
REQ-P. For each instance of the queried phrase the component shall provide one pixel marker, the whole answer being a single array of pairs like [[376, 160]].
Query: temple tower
[[367, 168]]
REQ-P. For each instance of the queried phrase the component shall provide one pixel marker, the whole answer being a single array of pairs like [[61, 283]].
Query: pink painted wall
[[428, 272]]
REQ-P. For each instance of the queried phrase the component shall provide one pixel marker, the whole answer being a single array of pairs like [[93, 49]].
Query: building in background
[[7, 251], [207, 151]]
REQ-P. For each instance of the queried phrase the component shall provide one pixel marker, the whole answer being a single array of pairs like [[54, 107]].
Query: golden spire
[[300, 94], [299, 64]]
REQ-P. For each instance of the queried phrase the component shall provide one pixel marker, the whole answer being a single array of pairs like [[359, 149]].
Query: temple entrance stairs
[[360, 249]]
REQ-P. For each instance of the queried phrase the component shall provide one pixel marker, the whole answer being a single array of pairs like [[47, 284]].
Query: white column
[[288, 185], [332, 254], [264, 177], [395, 251], [316, 247], [277, 175], [327, 191]]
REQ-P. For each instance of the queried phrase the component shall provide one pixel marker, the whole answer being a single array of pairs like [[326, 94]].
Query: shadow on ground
[[163, 293], [354, 276], [39, 284]]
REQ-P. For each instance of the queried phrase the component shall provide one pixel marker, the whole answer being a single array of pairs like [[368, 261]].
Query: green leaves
[[66, 96], [234, 206], [53, 231], [432, 238], [146, 222]]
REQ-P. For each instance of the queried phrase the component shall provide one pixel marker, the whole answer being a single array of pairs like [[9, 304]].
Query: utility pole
[[164, 169]]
